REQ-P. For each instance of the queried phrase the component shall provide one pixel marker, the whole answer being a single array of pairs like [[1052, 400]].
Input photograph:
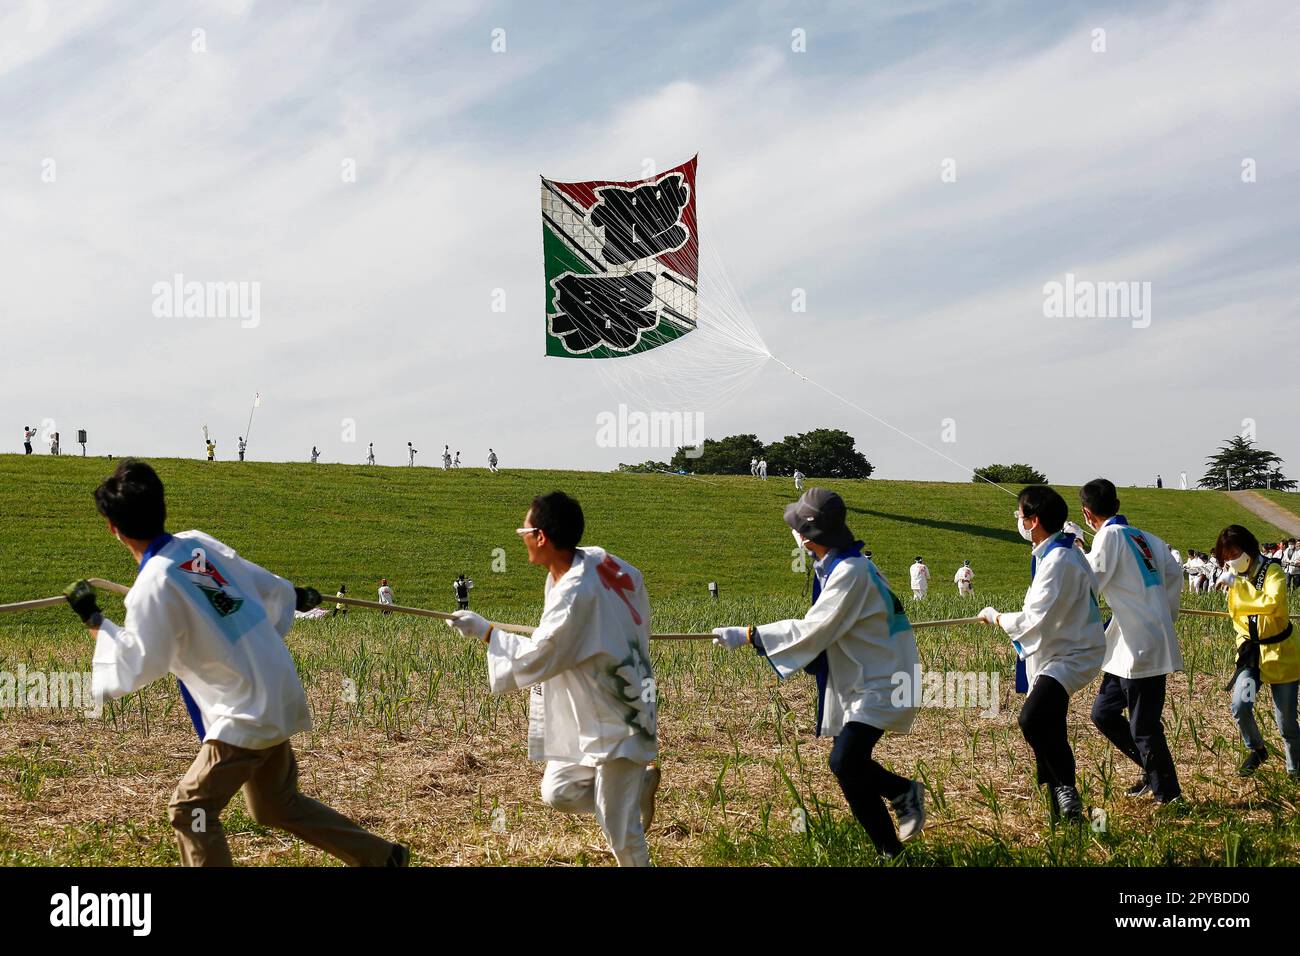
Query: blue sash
[[820, 668], [1062, 540], [191, 706]]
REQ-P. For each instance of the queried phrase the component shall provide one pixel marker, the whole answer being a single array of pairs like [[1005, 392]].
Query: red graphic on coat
[[210, 571], [619, 581], [1148, 558]]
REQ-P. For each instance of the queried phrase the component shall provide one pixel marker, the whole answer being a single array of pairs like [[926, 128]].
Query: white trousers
[[963, 587], [919, 593], [612, 792]]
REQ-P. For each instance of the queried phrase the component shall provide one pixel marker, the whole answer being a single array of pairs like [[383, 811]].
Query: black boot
[[1069, 804], [1252, 761]]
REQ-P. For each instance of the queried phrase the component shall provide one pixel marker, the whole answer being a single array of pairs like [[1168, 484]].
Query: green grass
[[422, 751], [328, 524]]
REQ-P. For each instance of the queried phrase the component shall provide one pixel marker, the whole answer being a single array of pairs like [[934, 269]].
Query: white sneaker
[[649, 787], [910, 808]]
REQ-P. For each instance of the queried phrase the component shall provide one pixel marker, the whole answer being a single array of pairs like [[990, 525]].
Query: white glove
[[989, 616], [1074, 529], [470, 624], [731, 637]]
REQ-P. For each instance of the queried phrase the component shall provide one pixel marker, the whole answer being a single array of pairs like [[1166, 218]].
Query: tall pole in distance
[[257, 400]]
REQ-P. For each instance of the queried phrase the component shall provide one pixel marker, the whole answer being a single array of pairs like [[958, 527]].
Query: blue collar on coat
[[1118, 519], [156, 545]]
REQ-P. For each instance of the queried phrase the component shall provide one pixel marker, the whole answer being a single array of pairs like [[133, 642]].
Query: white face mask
[[1024, 532], [799, 540], [1240, 563]]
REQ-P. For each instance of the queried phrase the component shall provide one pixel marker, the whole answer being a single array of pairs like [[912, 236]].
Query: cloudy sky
[[212, 140]]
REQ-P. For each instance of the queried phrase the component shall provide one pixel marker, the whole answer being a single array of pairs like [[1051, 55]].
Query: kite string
[[891, 427]]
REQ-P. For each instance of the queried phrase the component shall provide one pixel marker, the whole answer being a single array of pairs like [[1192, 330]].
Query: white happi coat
[[1059, 628], [920, 576], [868, 641], [1142, 582], [589, 659], [220, 630]]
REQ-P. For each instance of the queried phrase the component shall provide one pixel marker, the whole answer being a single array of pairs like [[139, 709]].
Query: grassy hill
[[419, 527], [408, 740]]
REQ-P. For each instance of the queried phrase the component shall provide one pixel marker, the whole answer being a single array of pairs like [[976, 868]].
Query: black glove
[[307, 598], [82, 598]]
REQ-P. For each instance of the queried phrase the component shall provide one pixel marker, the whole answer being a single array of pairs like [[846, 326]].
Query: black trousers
[[27, 448], [1042, 721], [1141, 735], [865, 782]]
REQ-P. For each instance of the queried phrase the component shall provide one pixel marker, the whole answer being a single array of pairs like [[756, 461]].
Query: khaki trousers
[[269, 779]]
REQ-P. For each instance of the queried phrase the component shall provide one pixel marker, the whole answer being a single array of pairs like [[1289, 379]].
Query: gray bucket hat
[[819, 515]]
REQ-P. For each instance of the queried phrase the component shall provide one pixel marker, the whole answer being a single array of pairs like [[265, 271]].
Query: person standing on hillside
[[212, 449], [340, 608], [370, 458], [798, 480], [1142, 583], [492, 461], [413, 452], [461, 587], [965, 580], [1059, 637], [446, 458], [854, 640], [456, 463], [753, 467], [592, 711], [1267, 649], [762, 468], [217, 622], [28, 434], [54, 443], [243, 446], [920, 576], [315, 454], [385, 594]]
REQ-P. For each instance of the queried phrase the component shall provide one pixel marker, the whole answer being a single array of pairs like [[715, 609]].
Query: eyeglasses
[[523, 531]]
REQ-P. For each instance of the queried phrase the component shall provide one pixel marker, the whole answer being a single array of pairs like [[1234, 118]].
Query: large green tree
[[1239, 465], [726, 456], [1017, 474], [825, 452]]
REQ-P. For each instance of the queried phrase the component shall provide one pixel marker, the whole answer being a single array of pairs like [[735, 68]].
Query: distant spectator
[[385, 594], [920, 575], [28, 434], [964, 579], [461, 586]]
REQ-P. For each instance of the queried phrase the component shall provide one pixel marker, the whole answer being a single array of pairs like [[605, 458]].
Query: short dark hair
[[1099, 497], [1041, 502], [560, 517], [132, 499], [1235, 536]]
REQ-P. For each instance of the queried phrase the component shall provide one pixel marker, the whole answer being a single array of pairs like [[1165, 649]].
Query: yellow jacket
[[1278, 663]]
